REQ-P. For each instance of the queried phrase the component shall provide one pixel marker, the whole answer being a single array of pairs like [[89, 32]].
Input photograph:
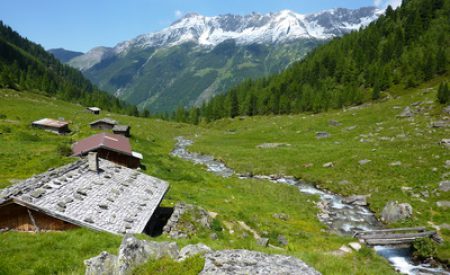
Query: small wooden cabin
[[94, 110], [103, 124], [52, 125], [123, 130]]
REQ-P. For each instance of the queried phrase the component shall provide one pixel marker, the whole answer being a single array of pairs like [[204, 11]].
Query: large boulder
[[132, 252], [192, 250], [394, 211], [186, 220], [253, 262], [104, 263]]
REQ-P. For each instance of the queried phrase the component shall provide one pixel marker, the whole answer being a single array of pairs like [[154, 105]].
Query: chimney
[[93, 161]]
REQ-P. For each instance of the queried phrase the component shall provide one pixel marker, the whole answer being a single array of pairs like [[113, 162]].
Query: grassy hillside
[[407, 161], [26, 151]]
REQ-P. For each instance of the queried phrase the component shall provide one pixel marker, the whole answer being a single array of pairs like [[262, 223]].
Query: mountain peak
[[257, 28]]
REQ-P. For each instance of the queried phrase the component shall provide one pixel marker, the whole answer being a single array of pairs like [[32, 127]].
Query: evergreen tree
[[443, 94]]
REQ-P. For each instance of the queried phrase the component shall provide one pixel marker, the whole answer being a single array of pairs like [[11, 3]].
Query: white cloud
[[178, 13], [382, 4]]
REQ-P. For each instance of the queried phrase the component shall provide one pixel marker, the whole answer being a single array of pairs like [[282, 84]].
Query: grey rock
[[444, 186], [272, 145], [213, 236], [82, 192], [282, 240], [407, 112], [281, 216], [264, 242], [134, 252], [351, 128], [343, 182], [320, 135], [443, 204], [445, 142], [195, 218], [253, 262], [440, 124], [395, 163], [192, 250], [364, 161], [393, 212], [446, 110], [37, 193], [102, 264], [356, 200], [89, 220], [334, 123], [355, 246], [328, 165]]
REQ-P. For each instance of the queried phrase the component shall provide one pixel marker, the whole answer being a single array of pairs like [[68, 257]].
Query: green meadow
[[26, 151]]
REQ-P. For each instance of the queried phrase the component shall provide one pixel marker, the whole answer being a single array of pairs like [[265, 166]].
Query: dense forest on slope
[[25, 65], [406, 46]]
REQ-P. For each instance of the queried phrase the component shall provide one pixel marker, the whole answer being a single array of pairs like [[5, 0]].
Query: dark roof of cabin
[[108, 141], [104, 120]]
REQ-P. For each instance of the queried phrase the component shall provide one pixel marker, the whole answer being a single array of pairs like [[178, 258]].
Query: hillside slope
[[25, 65], [64, 55], [406, 46]]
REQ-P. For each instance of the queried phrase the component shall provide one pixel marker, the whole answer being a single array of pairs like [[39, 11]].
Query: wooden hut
[[94, 110], [87, 193], [103, 124], [52, 125], [123, 130]]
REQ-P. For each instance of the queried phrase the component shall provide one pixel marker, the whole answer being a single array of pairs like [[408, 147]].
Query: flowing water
[[341, 217]]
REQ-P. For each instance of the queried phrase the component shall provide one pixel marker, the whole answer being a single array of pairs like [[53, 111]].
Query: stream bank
[[339, 216]]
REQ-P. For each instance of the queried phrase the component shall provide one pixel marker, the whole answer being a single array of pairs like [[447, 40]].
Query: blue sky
[[83, 24]]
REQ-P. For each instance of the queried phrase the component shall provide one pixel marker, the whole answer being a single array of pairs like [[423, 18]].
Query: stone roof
[[104, 120], [95, 109], [116, 199], [121, 128]]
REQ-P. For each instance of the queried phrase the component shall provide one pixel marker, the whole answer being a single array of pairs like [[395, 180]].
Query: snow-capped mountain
[[277, 27], [198, 56]]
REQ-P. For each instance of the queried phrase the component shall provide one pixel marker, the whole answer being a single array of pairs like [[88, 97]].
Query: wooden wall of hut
[[17, 217]]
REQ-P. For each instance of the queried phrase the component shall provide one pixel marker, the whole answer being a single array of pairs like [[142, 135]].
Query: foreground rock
[[394, 212], [253, 262], [132, 252], [186, 220]]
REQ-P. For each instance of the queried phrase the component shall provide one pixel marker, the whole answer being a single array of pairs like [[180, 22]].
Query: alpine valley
[[198, 57]]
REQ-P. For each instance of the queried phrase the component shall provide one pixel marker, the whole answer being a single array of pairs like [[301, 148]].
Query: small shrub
[[5, 129], [2, 116], [64, 149], [424, 248], [216, 226]]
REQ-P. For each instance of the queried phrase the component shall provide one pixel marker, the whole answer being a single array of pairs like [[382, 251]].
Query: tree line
[[406, 46]]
